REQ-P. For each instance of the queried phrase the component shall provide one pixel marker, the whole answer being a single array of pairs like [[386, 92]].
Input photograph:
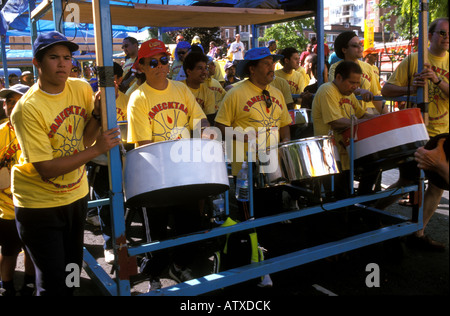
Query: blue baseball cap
[[17, 88], [254, 54], [47, 39]]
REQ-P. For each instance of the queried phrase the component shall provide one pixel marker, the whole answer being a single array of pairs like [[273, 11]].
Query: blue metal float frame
[[120, 285]]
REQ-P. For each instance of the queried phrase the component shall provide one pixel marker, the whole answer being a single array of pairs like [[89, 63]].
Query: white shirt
[[237, 48]]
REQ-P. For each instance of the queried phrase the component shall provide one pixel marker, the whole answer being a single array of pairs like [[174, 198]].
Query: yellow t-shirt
[[302, 70], [369, 80], [216, 87], [47, 127], [218, 74], [243, 106], [121, 106], [295, 79], [438, 102], [282, 85], [205, 97], [160, 115], [330, 105], [9, 156]]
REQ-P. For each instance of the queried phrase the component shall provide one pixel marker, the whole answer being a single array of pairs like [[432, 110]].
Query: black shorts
[[9, 238]]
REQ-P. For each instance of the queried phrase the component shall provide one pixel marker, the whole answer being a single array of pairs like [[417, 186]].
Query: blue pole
[[103, 31], [320, 41]]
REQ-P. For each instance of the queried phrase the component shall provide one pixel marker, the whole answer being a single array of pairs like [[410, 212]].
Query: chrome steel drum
[[302, 125], [123, 125], [173, 172], [387, 140], [308, 158]]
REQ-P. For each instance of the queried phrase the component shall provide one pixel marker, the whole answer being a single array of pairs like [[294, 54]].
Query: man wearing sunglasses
[[161, 110], [348, 47], [255, 103], [180, 53], [436, 73]]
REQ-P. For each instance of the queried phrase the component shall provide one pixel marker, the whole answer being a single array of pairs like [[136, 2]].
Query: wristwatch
[[437, 83]]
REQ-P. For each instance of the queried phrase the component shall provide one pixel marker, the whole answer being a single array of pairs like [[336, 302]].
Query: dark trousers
[[54, 238], [183, 219]]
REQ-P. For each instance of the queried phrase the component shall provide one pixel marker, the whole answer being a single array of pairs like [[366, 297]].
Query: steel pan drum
[[302, 125], [123, 126], [387, 140], [308, 158], [173, 172]]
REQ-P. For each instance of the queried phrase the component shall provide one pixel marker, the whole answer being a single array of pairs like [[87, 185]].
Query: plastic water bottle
[[242, 193]]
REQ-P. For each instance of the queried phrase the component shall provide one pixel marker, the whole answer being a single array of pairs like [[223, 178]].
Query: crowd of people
[[52, 137]]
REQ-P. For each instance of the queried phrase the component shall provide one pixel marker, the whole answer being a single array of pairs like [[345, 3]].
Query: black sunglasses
[[181, 53], [154, 62], [267, 98]]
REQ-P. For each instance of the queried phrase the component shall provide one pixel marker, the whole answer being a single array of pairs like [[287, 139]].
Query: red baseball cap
[[151, 48]]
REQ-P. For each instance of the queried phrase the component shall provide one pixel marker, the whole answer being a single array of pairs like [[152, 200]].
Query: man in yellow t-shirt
[[348, 47], [9, 238], [245, 105], [290, 62], [160, 110], [213, 84], [436, 73], [56, 123], [196, 69], [332, 108]]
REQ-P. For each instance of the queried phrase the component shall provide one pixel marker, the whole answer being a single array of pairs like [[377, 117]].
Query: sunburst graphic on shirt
[[169, 125], [434, 96], [265, 119], [70, 138]]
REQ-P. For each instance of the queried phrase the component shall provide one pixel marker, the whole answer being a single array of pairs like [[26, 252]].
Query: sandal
[[425, 242]]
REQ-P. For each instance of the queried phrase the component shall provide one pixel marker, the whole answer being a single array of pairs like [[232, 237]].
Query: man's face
[[199, 73], [211, 68], [157, 73], [293, 62], [263, 72], [182, 52], [28, 80], [129, 49], [231, 72], [273, 47], [10, 102], [238, 38], [354, 49], [55, 66], [439, 38], [349, 85]]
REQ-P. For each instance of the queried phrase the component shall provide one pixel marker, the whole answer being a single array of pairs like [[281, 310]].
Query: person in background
[[130, 47], [27, 78], [75, 72], [237, 48], [10, 242], [181, 51], [272, 45], [230, 75], [290, 63]]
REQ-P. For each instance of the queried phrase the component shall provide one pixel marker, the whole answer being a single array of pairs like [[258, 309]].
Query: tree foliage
[[407, 13], [289, 34]]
